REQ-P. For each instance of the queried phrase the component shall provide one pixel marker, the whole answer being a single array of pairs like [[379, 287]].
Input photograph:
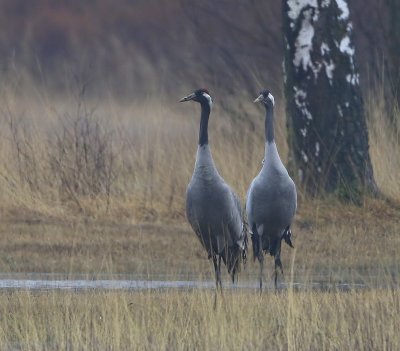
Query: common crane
[[212, 208], [271, 199]]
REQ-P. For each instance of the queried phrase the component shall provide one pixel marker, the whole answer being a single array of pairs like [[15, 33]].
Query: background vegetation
[[135, 48]]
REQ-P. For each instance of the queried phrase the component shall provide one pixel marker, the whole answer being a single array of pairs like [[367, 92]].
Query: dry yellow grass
[[384, 144], [333, 243], [170, 320], [151, 146], [153, 143]]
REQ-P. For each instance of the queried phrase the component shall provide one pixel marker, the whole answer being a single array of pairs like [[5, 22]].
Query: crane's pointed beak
[[187, 98], [260, 98]]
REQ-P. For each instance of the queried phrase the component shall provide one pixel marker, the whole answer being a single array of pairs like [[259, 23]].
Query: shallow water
[[46, 282]]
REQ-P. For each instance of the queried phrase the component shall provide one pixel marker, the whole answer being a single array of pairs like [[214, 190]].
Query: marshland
[[94, 165]]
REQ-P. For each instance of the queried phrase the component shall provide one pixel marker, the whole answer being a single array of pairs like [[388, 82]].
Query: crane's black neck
[[205, 114], [269, 123]]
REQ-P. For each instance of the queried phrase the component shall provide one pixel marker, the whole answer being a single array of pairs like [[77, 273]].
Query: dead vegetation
[[62, 158], [170, 320]]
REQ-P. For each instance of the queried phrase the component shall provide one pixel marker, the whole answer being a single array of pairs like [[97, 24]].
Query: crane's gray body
[[271, 200], [212, 208], [214, 211]]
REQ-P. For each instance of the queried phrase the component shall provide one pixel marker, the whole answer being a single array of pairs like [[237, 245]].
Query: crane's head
[[266, 98], [200, 95]]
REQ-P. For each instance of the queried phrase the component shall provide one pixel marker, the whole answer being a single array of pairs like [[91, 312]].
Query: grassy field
[[92, 187], [339, 239], [170, 320]]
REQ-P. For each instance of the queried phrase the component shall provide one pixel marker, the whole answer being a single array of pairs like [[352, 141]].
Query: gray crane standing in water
[[212, 208], [271, 199]]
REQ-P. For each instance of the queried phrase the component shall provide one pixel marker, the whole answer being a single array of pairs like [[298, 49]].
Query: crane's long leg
[[214, 257], [216, 280], [217, 265], [278, 263], [261, 259], [257, 241], [219, 272]]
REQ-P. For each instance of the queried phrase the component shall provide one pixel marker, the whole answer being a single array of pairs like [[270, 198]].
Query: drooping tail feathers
[[238, 254], [245, 231], [234, 259], [255, 241], [272, 246], [287, 236]]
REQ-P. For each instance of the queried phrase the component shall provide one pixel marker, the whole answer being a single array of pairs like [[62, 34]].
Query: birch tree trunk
[[328, 135]]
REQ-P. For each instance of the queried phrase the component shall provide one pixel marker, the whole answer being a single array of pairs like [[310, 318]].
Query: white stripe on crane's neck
[[208, 97], [271, 98]]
